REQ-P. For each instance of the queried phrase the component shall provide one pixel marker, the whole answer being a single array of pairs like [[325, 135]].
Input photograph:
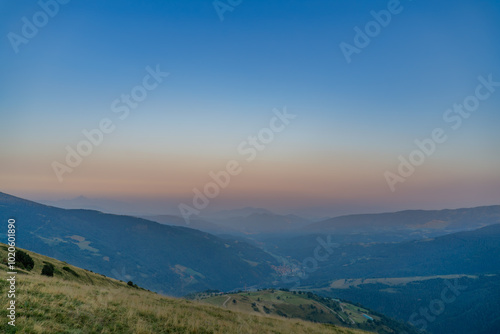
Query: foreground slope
[[78, 301]]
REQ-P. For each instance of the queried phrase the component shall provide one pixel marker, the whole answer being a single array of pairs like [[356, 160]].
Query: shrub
[[23, 260], [131, 284], [71, 271], [48, 270], [280, 313]]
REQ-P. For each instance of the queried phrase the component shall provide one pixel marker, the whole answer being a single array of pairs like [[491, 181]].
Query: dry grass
[[91, 303]]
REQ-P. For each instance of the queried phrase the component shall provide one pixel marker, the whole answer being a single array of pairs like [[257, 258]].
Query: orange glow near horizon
[[288, 181]]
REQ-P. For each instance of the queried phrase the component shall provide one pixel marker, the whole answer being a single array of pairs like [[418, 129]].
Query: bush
[[255, 308], [23, 260], [131, 284], [71, 271], [48, 269], [280, 313]]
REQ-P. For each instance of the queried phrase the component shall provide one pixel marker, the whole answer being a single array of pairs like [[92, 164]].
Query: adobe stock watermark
[[363, 37], [436, 307], [12, 271], [225, 6], [248, 149], [453, 117], [120, 106], [309, 265], [30, 27]]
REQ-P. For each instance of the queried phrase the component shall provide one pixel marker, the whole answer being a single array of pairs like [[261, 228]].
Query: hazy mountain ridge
[[86, 203], [234, 213], [255, 223], [172, 259], [448, 219], [197, 224], [264, 223], [394, 226], [179, 260]]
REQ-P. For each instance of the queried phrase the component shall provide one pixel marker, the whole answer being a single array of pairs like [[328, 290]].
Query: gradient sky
[[353, 120]]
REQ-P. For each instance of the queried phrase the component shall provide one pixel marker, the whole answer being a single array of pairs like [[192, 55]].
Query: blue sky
[[225, 79]]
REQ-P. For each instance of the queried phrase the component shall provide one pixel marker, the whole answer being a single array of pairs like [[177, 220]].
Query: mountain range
[[390, 262], [170, 259], [447, 221]]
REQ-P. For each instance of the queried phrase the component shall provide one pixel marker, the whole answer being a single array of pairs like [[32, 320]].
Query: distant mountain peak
[[81, 198]]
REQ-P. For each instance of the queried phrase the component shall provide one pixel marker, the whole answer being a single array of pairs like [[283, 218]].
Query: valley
[[321, 272]]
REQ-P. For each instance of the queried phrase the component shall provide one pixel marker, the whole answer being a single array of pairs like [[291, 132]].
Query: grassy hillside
[[78, 301], [306, 306]]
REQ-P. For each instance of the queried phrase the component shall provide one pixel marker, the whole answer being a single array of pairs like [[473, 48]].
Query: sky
[[180, 86]]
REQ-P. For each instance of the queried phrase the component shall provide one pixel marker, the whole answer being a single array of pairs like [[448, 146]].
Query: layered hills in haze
[[394, 263], [171, 259]]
